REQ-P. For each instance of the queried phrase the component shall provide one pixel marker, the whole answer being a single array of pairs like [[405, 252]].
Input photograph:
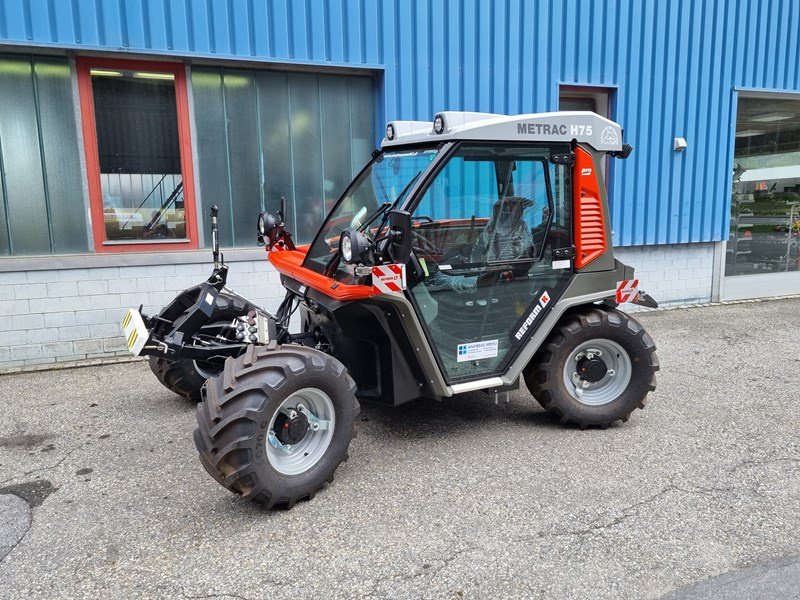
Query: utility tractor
[[470, 252]]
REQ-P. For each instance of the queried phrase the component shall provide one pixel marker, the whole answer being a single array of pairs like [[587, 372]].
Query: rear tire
[[186, 377], [236, 423], [182, 376], [636, 360]]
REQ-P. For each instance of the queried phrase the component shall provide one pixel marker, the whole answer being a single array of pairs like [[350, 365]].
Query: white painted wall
[[71, 314]]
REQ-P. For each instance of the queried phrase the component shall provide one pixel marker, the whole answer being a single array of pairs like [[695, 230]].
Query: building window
[[765, 201], [596, 100], [266, 134], [138, 158], [42, 207]]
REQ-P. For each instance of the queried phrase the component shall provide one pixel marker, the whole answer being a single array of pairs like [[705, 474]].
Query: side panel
[[585, 288], [590, 215]]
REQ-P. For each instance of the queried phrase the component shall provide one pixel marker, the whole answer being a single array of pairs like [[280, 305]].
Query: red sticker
[[627, 291], [389, 279]]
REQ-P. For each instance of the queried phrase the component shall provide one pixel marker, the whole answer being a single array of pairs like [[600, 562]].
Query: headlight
[[438, 124], [347, 248], [268, 227], [354, 246]]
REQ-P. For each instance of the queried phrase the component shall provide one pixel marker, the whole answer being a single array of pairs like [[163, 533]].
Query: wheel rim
[[294, 459], [612, 384]]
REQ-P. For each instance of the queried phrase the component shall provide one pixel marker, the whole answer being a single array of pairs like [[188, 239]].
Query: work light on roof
[[390, 132], [438, 124]]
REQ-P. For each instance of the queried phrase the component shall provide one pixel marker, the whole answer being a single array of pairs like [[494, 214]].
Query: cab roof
[[582, 126]]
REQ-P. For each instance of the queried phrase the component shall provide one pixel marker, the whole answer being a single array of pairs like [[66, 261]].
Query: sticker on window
[[477, 350], [562, 264]]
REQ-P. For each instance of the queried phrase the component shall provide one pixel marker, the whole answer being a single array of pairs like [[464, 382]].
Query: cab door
[[483, 273]]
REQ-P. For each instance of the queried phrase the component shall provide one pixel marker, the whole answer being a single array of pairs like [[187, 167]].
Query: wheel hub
[[291, 429], [597, 372], [591, 369]]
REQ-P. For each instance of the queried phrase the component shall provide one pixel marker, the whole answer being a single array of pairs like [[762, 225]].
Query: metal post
[[214, 236]]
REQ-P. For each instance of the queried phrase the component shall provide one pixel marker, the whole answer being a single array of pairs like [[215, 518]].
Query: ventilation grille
[[590, 232]]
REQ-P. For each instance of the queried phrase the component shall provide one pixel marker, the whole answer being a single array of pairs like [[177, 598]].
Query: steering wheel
[[427, 247]]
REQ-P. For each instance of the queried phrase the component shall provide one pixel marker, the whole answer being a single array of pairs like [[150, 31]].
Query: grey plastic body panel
[[410, 321], [420, 342]]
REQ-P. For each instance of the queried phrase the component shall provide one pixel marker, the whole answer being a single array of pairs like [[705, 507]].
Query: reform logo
[[544, 300], [609, 136]]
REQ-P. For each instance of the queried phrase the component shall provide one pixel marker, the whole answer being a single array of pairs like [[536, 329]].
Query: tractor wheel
[[596, 368], [186, 377], [276, 424]]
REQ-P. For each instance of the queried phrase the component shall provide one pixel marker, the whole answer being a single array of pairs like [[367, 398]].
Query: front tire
[[277, 423], [596, 368]]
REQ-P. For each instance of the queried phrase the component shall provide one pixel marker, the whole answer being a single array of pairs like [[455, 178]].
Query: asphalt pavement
[[102, 494]]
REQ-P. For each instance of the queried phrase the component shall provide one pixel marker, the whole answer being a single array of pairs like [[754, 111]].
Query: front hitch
[[207, 322], [645, 299]]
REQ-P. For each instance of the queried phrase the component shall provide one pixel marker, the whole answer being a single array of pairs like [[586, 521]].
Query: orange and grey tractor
[[471, 253]]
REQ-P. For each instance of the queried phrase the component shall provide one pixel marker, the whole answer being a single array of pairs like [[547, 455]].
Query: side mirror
[[400, 236], [624, 153]]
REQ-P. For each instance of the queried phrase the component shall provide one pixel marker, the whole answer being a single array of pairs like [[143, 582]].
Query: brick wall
[[73, 314], [675, 274], [50, 316]]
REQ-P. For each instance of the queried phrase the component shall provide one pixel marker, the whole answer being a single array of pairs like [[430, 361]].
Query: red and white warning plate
[[628, 290], [389, 279]]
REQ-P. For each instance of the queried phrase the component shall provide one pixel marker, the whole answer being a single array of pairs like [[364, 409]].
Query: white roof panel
[[585, 127]]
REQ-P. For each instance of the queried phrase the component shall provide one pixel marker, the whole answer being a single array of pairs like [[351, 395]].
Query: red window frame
[[84, 65]]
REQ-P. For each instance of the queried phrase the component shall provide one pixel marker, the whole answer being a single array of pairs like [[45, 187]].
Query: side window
[[488, 205]]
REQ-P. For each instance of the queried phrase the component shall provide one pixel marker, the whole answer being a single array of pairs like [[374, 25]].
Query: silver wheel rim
[[300, 457], [611, 386]]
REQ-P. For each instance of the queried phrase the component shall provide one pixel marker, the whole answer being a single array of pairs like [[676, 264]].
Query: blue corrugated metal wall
[[674, 63]]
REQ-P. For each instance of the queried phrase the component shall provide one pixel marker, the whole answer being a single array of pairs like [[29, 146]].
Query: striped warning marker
[[627, 290], [389, 279]]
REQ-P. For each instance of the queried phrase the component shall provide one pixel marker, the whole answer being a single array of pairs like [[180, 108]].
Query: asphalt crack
[[625, 513], [761, 462], [28, 524], [58, 463], [423, 572], [220, 595]]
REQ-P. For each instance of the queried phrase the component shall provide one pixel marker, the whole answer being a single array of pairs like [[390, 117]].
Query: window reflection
[[139, 154], [765, 203]]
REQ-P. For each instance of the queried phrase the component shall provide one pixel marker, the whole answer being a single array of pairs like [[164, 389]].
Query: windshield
[[386, 180]]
